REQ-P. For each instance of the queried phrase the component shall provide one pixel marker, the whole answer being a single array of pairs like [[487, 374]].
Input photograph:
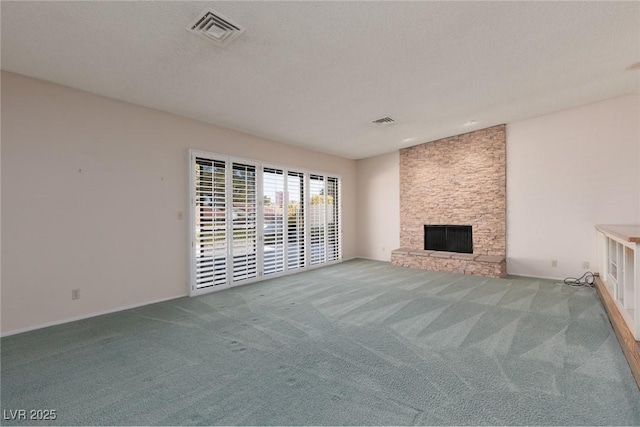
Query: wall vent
[[215, 27], [383, 121]]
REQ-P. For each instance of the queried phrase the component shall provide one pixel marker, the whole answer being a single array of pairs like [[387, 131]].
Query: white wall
[[567, 172], [378, 200], [91, 188], [112, 229]]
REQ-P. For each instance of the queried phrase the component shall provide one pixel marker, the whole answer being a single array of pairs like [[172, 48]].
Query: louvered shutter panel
[[295, 221], [317, 219], [333, 219], [244, 222], [274, 220], [210, 223]]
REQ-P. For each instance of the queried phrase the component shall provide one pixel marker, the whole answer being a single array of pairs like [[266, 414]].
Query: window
[[295, 220], [244, 236], [273, 220], [317, 219], [251, 220], [334, 249], [210, 240]]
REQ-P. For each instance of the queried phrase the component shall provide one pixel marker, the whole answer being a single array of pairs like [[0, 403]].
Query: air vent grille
[[383, 121], [215, 27]]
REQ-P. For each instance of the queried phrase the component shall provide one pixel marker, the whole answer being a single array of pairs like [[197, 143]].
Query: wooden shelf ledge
[[627, 233]]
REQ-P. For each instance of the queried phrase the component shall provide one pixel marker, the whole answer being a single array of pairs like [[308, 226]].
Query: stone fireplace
[[455, 182]]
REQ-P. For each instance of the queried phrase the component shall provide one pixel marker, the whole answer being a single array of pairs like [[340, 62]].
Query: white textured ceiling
[[315, 74]]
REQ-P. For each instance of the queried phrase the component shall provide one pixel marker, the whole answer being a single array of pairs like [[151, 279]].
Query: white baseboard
[[535, 277], [371, 259], [87, 316]]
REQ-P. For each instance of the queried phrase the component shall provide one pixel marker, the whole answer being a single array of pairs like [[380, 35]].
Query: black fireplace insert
[[449, 238]]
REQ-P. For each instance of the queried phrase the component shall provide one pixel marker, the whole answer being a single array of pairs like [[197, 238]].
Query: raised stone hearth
[[456, 180], [478, 265]]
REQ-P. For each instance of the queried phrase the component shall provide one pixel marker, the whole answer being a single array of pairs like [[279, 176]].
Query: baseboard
[[561, 279], [372, 259], [87, 316]]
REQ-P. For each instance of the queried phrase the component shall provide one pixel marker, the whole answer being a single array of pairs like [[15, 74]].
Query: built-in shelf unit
[[619, 268]]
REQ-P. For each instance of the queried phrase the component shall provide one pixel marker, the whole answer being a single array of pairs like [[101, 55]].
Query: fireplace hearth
[[449, 238]]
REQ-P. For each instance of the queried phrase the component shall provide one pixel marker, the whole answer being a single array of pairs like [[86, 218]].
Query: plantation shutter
[[244, 222], [274, 209], [295, 220], [333, 219], [250, 220], [210, 240], [317, 219]]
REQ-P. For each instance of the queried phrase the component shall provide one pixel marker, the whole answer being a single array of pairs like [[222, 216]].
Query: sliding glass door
[[250, 221]]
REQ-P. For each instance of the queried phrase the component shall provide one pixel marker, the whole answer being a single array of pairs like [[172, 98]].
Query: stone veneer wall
[[456, 180]]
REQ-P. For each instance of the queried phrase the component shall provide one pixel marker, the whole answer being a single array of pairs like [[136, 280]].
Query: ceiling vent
[[215, 27], [383, 121]]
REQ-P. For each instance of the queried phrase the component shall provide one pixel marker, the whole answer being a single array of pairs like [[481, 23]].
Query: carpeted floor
[[356, 343]]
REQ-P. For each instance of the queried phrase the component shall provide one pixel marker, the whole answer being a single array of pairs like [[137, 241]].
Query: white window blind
[[295, 220], [333, 219], [210, 223], [274, 215], [244, 222], [317, 219]]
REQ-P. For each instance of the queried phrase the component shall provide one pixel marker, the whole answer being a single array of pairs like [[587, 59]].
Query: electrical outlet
[[75, 293], [383, 248], [585, 265], [180, 215], [554, 263]]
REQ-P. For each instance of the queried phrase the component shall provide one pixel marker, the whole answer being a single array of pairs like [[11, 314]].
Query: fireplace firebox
[[449, 238]]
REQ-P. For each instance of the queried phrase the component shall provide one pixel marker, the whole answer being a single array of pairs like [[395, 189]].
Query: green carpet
[[356, 343]]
